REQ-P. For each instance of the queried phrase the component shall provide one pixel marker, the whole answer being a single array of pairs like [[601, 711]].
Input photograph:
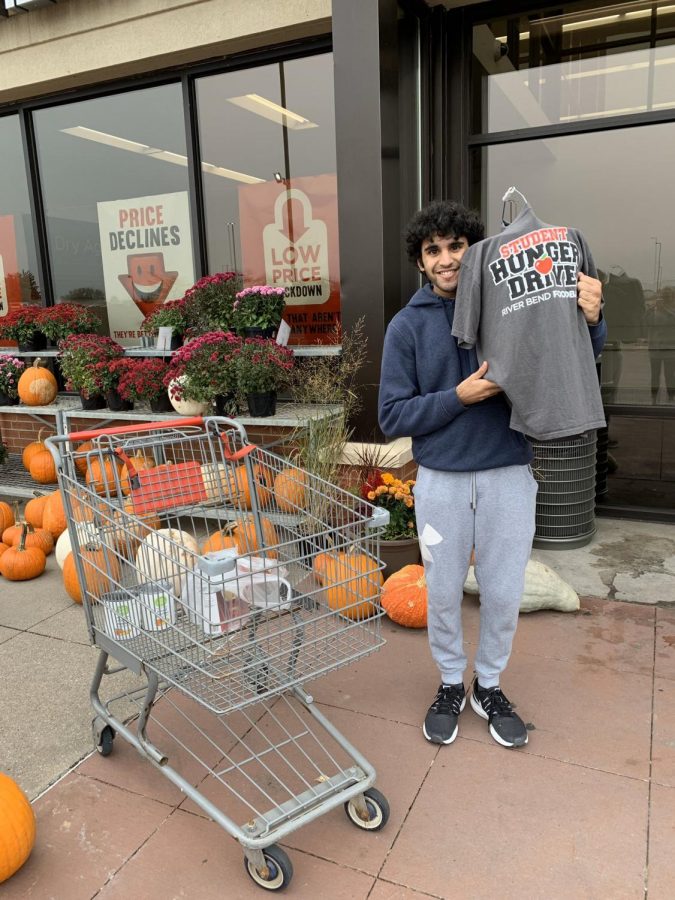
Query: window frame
[[186, 76]]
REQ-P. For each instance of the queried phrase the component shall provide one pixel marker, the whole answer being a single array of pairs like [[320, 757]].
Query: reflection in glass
[[114, 179], [276, 124], [579, 64], [18, 281]]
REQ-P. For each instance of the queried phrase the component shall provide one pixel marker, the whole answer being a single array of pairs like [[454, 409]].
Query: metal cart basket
[[226, 577]]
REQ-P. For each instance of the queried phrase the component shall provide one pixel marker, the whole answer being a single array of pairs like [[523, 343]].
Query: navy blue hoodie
[[421, 367]]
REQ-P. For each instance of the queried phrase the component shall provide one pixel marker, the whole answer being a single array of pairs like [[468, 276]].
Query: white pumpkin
[[185, 406], [164, 555], [86, 534]]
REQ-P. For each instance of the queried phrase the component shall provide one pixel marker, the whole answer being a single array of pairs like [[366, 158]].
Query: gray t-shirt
[[517, 303]]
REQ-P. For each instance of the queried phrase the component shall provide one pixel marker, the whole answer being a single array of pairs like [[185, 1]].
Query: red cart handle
[[158, 426], [126, 429]]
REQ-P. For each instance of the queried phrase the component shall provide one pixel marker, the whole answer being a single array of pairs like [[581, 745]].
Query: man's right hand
[[475, 388]]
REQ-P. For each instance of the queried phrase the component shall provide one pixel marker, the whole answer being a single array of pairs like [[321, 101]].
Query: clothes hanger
[[509, 198], [617, 270]]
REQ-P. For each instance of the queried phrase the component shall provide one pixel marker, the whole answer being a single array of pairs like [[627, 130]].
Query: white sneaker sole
[[478, 709], [452, 736]]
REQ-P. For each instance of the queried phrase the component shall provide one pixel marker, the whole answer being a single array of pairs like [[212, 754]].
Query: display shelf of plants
[[224, 359]]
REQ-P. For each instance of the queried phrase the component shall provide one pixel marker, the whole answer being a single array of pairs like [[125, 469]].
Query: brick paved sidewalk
[[586, 810]]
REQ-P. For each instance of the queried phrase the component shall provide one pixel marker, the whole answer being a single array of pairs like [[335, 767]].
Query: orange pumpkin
[[22, 563], [225, 483], [290, 489], [37, 386], [219, 540], [6, 516], [139, 462], [350, 580], [81, 460], [246, 538], [404, 597], [40, 538], [17, 827], [35, 510], [43, 468], [231, 485], [3, 547], [101, 572], [31, 449], [54, 515], [101, 476], [11, 535]]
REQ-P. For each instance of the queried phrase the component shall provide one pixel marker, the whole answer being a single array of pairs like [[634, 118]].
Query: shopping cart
[[227, 577]]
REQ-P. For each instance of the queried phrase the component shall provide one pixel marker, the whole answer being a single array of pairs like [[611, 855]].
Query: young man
[[474, 484]]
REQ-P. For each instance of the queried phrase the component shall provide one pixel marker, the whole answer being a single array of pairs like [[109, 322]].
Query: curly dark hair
[[444, 218]]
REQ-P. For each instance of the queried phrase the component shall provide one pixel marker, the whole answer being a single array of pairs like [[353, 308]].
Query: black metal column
[[365, 48]]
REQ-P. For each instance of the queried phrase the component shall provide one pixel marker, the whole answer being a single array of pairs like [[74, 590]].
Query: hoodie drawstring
[[473, 490]]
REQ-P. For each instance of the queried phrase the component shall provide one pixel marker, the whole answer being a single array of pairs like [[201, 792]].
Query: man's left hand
[[589, 297]]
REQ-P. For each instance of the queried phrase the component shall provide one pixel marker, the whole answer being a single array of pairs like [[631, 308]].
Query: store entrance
[[573, 108]]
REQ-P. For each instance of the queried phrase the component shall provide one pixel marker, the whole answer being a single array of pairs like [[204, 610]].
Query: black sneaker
[[440, 725], [506, 727]]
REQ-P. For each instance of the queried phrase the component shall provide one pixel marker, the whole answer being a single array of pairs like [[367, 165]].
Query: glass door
[[577, 109]]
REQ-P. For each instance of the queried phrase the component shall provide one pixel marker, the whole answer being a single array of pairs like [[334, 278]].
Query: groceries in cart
[[223, 588]]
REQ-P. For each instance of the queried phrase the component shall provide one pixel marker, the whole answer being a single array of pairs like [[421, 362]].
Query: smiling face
[[146, 281], [440, 260]]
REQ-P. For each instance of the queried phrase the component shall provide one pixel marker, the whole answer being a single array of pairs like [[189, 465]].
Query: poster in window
[[289, 238], [10, 284], [146, 250]]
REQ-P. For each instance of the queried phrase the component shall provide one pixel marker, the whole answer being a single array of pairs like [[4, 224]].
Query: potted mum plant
[[258, 310], [11, 369], [399, 545], [108, 373], [262, 367], [57, 322], [142, 381], [209, 303], [83, 359], [22, 325], [203, 371], [171, 314]]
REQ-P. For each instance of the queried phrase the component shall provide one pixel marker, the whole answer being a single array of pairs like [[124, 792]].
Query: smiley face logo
[[146, 281]]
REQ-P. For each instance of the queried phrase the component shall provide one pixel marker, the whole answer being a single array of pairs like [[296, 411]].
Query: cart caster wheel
[[279, 869], [105, 744], [378, 810]]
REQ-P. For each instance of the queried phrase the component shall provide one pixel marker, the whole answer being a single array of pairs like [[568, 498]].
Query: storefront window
[[114, 181], [267, 139], [572, 64], [18, 279]]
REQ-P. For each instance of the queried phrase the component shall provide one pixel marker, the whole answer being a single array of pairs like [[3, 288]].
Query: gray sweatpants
[[492, 510]]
